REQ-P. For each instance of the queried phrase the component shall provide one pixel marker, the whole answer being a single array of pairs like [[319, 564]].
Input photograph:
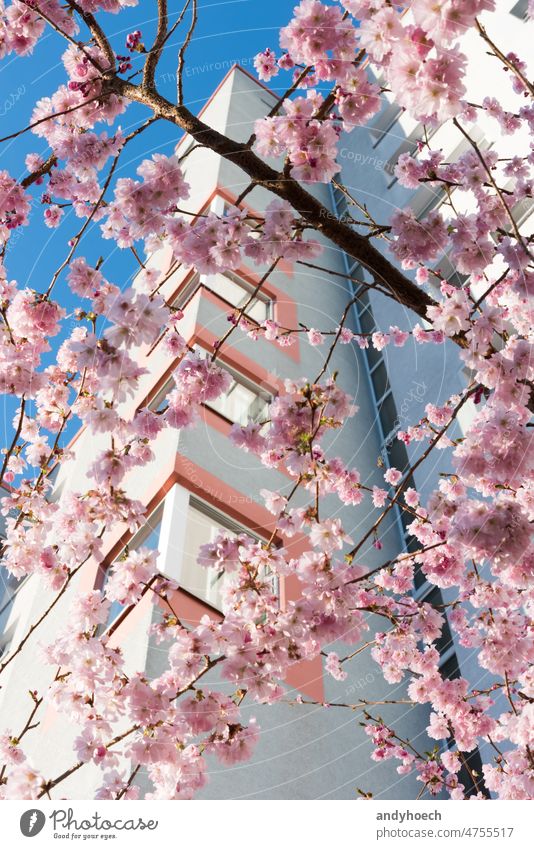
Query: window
[[426, 199], [242, 401], [147, 537], [409, 145], [159, 401], [203, 525], [522, 210], [237, 292], [445, 642], [233, 289], [189, 523], [385, 121], [387, 411], [520, 10], [9, 586], [450, 669], [397, 455]]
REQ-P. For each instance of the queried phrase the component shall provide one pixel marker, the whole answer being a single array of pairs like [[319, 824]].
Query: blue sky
[[234, 30]]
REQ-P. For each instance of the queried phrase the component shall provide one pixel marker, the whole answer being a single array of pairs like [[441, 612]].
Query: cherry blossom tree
[[474, 531]]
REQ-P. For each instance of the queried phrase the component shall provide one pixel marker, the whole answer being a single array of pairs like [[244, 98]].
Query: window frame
[[238, 377], [8, 598], [199, 281], [225, 523], [103, 572], [520, 10]]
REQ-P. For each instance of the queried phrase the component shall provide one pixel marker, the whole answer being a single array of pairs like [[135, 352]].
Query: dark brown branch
[[183, 48], [154, 53], [45, 168], [312, 211], [504, 59], [97, 33]]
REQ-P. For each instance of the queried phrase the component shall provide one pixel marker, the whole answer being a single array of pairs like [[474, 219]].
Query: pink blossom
[[237, 743], [53, 215], [392, 476], [266, 65], [129, 575], [328, 535], [10, 751], [332, 665], [315, 337], [379, 496]]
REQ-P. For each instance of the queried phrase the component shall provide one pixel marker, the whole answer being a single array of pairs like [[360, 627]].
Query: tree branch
[[97, 33], [316, 215], [183, 48], [154, 53]]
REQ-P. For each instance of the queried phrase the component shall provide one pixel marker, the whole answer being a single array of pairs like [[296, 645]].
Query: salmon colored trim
[[304, 675], [240, 362], [132, 623], [232, 357], [285, 312]]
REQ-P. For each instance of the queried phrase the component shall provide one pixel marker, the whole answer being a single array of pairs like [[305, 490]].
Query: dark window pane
[[472, 778], [373, 356], [435, 598], [450, 669], [397, 455], [380, 380], [419, 577], [8, 587], [367, 321]]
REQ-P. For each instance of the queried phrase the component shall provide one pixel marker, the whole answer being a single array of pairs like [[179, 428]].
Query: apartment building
[[199, 482]]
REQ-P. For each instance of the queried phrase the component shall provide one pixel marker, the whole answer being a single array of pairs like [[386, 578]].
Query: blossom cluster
[[471, 537]]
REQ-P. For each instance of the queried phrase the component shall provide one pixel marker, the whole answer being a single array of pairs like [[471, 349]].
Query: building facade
[[404, 380], [200, 482]]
